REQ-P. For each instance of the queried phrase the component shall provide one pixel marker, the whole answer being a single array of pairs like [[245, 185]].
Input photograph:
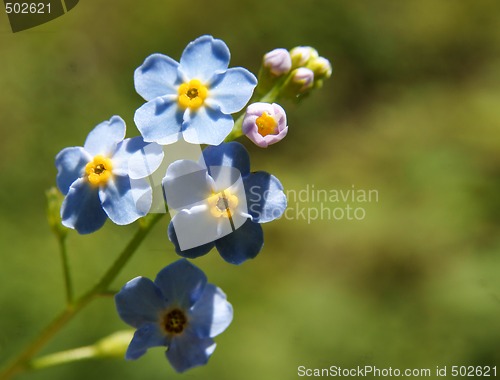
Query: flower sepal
[[54, 202]]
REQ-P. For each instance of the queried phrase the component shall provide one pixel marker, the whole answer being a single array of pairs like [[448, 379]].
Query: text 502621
[[27, 8]]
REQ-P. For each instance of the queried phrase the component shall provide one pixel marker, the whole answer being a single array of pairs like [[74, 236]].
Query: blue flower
[[100, 179], [221, 205], [179, 310], [194, 98]]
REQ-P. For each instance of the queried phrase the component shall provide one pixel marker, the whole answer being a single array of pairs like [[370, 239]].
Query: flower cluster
[[215, 201]]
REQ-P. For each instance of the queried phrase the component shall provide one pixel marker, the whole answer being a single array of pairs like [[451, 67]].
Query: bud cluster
[[302, 66]]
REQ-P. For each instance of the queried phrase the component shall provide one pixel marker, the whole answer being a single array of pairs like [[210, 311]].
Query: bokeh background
[[412, 111]]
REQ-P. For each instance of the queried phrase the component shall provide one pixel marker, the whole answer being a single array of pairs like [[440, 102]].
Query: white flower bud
[[304, 77], [321, 67], [302, 54]]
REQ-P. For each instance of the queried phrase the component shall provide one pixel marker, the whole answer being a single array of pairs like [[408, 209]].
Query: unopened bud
[[301, 55], [321, 68], [303, 77], [278, 61]]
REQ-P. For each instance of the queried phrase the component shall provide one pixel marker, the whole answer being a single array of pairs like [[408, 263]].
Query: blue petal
[[206, 126], [82, 208], [212, 314], [188, 351], [159, 120], [186, 184], [243, 244], [70, 164], [203, 57], [137, 158], [125, 200], [139, 302], [181, 283], [189, 253], [147, 336], [105, 136], [228, 154], [266, 200], [232, 90], [157, 76]]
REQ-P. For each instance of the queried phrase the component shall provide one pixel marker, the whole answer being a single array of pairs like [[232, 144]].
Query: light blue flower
[[221, 208], [99, 181], [193, 98], [179, 310]]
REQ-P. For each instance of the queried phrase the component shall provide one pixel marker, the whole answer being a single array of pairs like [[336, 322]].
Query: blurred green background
[[412, 111]]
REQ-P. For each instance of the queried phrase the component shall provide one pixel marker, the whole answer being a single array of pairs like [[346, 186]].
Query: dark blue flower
[[179, 310], [193, 98], [221, 204], [100, 181]]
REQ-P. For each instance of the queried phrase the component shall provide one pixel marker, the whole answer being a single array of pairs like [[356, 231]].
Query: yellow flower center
[[192, 94], [98, 170], [174, 321], [222, 204], [266, 124]]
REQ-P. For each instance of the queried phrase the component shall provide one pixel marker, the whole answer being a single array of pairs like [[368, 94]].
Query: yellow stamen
[[222, 204], [98, 170], [192, 95], [266, 124]]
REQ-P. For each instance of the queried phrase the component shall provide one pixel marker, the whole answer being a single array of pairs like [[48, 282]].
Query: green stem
[[110, 275], [236, 132], [62, 357], [273, 94], [20, 363], [68, 283]]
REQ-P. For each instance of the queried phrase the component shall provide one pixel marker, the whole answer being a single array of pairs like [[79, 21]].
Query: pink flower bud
[[278, 61], [265, 123]]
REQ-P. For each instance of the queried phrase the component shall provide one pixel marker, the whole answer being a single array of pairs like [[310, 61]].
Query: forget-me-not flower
[[193, 98], [99, 182], [216, 202], [179, 310]]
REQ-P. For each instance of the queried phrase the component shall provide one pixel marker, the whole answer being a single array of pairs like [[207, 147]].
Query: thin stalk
[[68, 283], [68, 356], [21, 362], [114, 270]]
